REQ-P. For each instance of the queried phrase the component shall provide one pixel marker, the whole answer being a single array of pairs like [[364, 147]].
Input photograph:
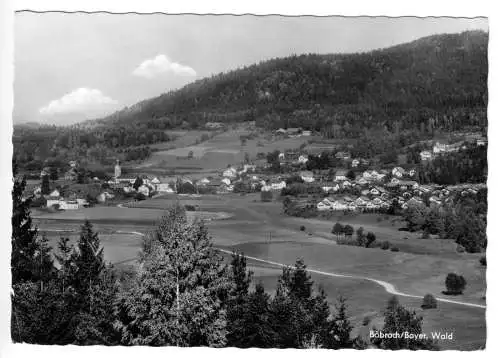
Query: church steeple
[[118, 169]]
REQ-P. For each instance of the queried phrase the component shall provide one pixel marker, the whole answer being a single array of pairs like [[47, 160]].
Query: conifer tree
[[181, 290]]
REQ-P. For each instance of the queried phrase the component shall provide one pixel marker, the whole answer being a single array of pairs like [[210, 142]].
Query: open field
[[260, 230], [217, 153]]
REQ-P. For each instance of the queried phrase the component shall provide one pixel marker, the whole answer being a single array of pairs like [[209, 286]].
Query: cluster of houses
[[444, 148], [55, 199], [405, 192], [293, 132]]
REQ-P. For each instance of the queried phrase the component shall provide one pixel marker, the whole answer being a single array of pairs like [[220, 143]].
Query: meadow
[[260, 230]]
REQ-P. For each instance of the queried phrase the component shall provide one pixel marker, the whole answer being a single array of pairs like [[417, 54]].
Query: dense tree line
[[463, 221], [34, 147], [465, 166]]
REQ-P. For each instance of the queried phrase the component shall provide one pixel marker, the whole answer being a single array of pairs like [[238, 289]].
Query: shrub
[[189, 207], [385, 245], [370, 239], [455, 284], [366, 320], [405, 238], [429, 302], [460, 248], [302, 228], [140, 197], [482, 260], [395, 249]]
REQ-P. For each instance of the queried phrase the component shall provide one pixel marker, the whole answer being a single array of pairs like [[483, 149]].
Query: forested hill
[[438, 81]]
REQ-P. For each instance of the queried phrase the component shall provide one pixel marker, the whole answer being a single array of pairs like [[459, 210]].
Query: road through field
[[387, 286]]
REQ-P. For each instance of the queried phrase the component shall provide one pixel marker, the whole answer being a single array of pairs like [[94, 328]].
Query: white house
[[143, 189], [55, 194], [164, 188], [68, 205], [229, 172], [155, 181], [341, 175], [398, 172], [374, 191], [278, 185], [52, 202], [328, 187], [281, 156], [355, 163], [82, 202], [362, 181], [306, 133], [323, 206], [302, 159], [425, 155], [226, 181], [307, 176], [129, 189], [249, 167]]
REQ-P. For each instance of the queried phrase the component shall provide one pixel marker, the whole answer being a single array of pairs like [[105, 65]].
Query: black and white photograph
[[249, 181]]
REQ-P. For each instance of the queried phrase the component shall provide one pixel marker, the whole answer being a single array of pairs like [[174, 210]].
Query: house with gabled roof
[[341, 175]]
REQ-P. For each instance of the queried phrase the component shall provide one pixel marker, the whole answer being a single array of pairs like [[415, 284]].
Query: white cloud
[[161, 64], [80, 100]]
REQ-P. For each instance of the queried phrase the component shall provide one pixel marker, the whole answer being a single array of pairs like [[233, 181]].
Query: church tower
[[118, 169]]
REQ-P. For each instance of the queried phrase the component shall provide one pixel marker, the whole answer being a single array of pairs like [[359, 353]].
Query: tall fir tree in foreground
[[30, 258], [181, 290]]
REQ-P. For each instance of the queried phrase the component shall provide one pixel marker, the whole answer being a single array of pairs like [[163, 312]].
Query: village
[[358, 186]]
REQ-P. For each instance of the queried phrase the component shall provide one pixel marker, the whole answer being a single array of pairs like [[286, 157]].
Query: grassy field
[[217, 153], [261, 230]]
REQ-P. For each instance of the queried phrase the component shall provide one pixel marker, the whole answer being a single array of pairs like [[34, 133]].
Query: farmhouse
[[398, 172], [425, 155], [329, 186], [440, 148], [214, 125], [307, 176], [343, 155], [302, 159], [355, 163], [229, 172], [341, 175]]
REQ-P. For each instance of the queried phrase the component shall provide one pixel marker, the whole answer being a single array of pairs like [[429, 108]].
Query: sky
[[71, 67]]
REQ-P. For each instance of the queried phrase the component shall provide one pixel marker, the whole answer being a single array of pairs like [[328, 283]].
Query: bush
[[405, 238], [460, 248], [302, 228], [395, 249], [455, 284], [366, 320], [189, 207], [385, 245], [140, 197], [429, 302], [370, 239], [482, 260]]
